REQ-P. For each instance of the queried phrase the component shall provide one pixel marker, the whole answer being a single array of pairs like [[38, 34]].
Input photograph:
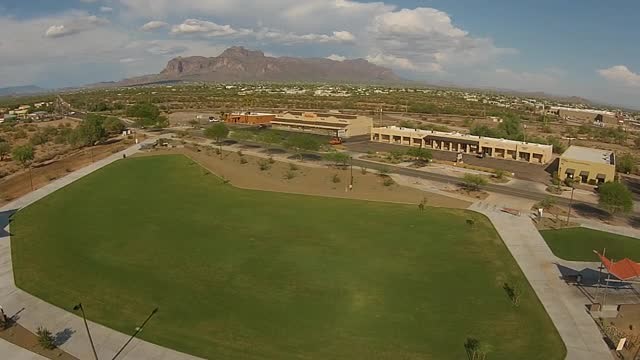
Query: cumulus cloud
[[75, 25], [621, 74], [129, 60], [106, 9], [208, 28], [335, 57], [425, 39], [154, 25], [212, 29]]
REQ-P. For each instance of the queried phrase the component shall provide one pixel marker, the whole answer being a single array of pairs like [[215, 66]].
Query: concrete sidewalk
[[567, 310], [33, 312], [13, 352]]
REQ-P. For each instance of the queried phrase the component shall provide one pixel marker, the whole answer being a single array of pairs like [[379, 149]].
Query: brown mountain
[[242, 65]]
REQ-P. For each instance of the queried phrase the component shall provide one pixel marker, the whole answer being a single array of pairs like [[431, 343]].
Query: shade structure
[[625, 269]]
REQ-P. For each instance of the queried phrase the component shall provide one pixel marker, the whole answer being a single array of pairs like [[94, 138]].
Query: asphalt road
[[500, 189]]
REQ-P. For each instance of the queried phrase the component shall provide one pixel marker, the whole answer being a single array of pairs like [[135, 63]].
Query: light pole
[[351, 183], [138, 329], [79, 307], [570, 204]]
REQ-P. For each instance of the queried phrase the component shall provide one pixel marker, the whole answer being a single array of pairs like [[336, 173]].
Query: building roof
[[463, 137], [588, 154], [590, 111]]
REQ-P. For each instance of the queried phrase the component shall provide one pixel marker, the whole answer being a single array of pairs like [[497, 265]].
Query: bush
[[45, 338], [499, 174], [388, 181], [473, 182], [615, 198], [335, 178], [289, 175], [270, 160], [293, 167], [363, 171], [243, 160], [626, 164], [264, 165]]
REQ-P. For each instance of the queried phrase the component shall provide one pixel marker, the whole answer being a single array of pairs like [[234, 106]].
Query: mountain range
[[21, 90], [237, 64]]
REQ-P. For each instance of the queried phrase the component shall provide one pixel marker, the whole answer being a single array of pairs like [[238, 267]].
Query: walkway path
[[34, 312], [566, 309], [13, 352]]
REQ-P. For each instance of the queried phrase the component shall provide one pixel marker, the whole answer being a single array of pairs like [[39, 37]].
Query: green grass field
[[577, 244], [243, 274]]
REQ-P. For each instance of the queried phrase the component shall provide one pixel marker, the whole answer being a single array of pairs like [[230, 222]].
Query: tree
[[473, 182], [615, 198], [24, 155], [5, 149], [302, 142], [147, 114], [113, 125], [420, 153], [90, 132], [218, 132], [45, 338], [625, 164], [339, 158]]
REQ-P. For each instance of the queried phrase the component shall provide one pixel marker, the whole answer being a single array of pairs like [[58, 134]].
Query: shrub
[[240, 153], [625, 164], [264, 165], [335, 178], [473, 182], [615, 197], [499, 174], [45, 338], [293, 167], [388, 181], [289, 175], [243, 160], [384, 171], [270, 160], [363, 171]]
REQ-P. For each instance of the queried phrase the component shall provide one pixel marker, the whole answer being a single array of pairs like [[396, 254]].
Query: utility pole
[[79, 307], [351, 183]]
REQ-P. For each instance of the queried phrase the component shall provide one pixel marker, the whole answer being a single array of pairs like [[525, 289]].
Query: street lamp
[[570, 203], [79, 307], [138, 329]]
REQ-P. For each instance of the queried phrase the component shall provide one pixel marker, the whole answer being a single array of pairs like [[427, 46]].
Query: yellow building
[[464, 143], [587, 165], [332, 124]]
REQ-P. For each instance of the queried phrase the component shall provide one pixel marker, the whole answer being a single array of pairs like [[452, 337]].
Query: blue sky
[[583, 48]]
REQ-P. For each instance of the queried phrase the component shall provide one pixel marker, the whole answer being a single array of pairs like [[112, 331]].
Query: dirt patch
[[22, 337], [301, 178], [18, 184]]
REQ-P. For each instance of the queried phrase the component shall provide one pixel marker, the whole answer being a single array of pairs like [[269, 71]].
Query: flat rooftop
[[588, 154], [461, 136]]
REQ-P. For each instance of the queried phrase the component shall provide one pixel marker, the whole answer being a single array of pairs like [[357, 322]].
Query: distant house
[[250, 118]]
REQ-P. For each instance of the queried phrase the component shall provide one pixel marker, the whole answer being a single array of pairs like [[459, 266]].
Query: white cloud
[[335, 57], [154, 25], [392, 61], [75, 25], [89, 1], [208, 28], [425, 40], [106, 9], [212, 29], [129, 60], [621, 74]]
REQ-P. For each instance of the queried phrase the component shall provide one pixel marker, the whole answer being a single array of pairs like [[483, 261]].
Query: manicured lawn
[[577, 244], [243, 274]]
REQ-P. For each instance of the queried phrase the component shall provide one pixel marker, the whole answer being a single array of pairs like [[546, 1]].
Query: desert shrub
[[289, 175], [293, 167], [388, 181], [243, 160], [45, 338], [335, 178], [264, 165]]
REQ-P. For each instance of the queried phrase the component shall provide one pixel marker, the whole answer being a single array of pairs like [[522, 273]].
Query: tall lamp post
[[79, 307], [570, 204], [138, 329]]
